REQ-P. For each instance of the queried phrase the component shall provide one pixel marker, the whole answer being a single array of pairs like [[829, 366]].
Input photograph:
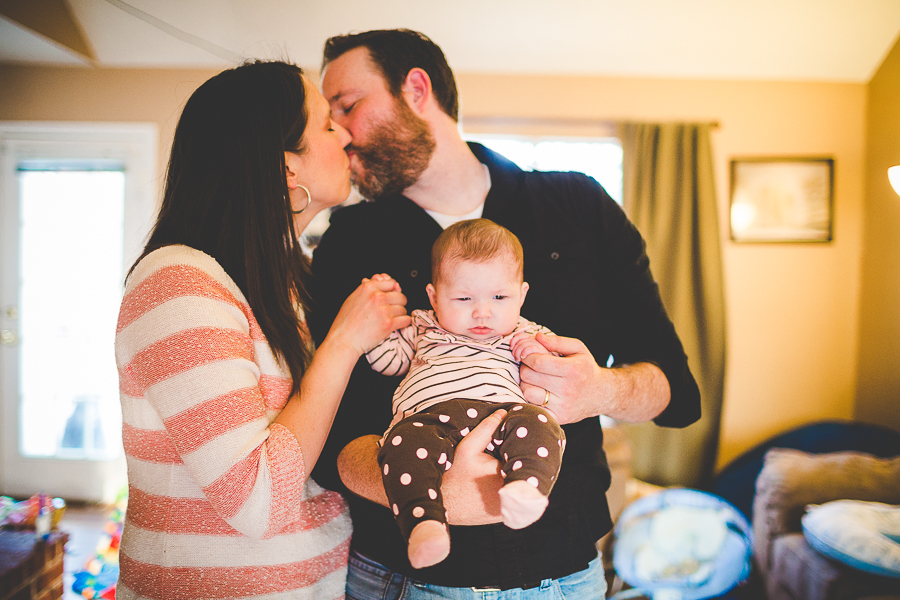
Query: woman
[[225, 409]]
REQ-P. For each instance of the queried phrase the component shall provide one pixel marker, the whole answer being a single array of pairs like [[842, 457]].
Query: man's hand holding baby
[[579, 388]]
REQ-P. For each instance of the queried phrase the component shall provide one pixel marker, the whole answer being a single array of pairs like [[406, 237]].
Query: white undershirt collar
[[446, 221]]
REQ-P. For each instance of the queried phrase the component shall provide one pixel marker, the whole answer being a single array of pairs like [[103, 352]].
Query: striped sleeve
[[530, 327], [204, 387], [393, 355]]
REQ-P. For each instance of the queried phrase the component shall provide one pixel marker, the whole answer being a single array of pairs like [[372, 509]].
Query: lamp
[[894, 176]]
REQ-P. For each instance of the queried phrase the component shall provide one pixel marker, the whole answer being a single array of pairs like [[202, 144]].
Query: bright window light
[[599, 158], [71, 286]]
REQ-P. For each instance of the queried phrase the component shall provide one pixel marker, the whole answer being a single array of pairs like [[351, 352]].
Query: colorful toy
[[24, 514], [98, 579]]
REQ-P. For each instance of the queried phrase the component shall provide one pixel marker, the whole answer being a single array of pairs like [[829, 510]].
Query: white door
[[76, 202]]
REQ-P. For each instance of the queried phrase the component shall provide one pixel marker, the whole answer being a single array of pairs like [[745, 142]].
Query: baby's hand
[[523, 344], [385, 277]]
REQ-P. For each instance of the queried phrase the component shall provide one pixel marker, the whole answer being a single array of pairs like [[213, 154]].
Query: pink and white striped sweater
[[220, 504]]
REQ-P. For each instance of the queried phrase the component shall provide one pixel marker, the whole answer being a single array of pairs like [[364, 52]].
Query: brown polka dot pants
[[420, 448]]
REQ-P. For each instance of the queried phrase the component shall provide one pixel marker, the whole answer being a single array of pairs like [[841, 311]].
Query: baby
[[461, 362]]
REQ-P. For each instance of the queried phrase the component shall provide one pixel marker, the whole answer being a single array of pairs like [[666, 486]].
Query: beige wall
[[81, 94], [792, 309], [878, 387]]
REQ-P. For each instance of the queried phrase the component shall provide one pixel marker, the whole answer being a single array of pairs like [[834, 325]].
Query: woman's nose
[[343, 135]]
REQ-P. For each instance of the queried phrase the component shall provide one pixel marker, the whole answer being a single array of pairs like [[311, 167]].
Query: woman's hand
[[368, 315], [375, 309]]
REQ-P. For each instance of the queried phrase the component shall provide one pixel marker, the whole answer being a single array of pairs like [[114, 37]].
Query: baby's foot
[[521, 504], [429, 544]]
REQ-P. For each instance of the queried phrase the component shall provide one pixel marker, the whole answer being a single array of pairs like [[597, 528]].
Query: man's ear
[[432, 294], [416, 89], [524, 291]]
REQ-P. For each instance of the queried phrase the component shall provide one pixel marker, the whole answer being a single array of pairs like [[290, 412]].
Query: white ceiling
[[825, 40]]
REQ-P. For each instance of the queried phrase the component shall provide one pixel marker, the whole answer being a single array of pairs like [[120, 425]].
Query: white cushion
[[682, 543], [863, 535]]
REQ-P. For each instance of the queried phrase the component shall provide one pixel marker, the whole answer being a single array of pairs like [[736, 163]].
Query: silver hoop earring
[[308, 199]]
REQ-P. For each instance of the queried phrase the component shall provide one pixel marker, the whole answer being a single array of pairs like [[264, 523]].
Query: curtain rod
[[507, 121]]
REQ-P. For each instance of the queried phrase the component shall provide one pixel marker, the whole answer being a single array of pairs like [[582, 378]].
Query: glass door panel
[[76, 202], [70, 271]]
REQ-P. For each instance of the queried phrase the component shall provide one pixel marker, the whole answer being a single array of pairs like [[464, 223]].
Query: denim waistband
[[369, 580]]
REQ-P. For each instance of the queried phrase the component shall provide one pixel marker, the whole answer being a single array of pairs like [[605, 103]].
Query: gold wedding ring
[[546, 398]]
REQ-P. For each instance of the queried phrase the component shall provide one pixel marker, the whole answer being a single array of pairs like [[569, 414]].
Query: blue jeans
[[368, 580]]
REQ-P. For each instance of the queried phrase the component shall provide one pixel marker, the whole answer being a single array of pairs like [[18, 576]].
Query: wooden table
[[30, 568]]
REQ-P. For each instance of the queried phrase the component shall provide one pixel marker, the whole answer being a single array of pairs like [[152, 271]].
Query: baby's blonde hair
[[477, 240]]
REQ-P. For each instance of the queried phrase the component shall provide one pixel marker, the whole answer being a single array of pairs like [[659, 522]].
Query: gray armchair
[[790, 480]]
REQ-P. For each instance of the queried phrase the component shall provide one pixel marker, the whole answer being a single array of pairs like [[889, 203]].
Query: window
[[601, 158], [71, 232]]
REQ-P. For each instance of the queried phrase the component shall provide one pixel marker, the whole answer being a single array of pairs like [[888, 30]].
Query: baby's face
[[478, 299]]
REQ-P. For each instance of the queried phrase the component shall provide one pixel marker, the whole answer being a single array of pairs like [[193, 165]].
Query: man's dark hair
[[396, 52]]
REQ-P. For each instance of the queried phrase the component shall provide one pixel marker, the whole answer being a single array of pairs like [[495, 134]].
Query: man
[[590, 281]]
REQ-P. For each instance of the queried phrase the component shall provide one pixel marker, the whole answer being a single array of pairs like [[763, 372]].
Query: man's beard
[[396, 154]]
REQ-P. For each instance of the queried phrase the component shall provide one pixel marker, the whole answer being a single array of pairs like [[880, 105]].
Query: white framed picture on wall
[[782, 199]]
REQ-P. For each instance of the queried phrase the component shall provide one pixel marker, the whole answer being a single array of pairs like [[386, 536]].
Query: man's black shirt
[[589, 279]]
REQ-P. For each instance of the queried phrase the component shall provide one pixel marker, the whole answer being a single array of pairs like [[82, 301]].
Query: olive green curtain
[[670, 196]]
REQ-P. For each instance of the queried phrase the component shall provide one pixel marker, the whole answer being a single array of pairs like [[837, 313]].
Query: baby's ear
[[432, 294], [524, 292]]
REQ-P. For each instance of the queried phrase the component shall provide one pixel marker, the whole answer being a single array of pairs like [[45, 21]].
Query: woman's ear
[[416, 89], [291, 169]]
